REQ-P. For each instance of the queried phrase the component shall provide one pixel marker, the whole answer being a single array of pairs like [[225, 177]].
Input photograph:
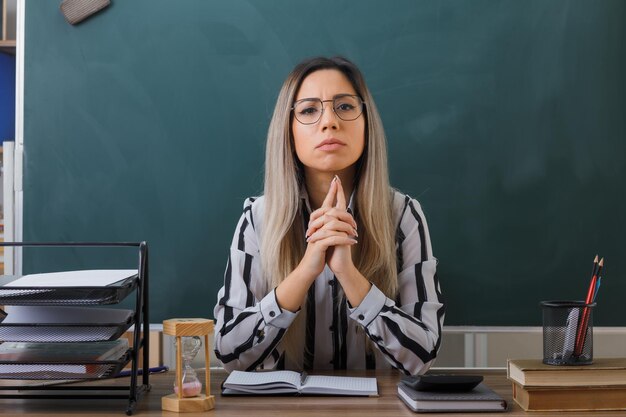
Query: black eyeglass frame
[[338, 96]]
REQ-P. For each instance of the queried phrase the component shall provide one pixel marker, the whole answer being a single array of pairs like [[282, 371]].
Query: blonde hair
[[282, 240]]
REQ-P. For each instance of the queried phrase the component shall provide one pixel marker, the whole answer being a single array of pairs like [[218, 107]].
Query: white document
[[84, 278]]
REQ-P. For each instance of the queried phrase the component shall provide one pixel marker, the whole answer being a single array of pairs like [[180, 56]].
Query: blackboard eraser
[[76, 11]]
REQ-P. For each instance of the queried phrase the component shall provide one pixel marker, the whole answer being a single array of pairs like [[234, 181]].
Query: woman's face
[[331, 144]]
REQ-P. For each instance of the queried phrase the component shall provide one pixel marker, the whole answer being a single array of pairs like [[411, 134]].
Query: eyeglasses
[[346, 106]]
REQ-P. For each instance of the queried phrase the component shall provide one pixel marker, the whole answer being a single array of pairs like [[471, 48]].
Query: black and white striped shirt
[[406, 331]]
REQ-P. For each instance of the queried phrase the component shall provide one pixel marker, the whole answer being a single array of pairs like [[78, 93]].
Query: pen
[[155, 370], [303, 377]]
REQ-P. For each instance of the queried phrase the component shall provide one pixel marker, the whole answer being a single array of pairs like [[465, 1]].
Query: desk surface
[[387, 404]]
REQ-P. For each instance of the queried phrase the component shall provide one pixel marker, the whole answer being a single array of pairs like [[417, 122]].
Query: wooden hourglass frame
[[180, 328]]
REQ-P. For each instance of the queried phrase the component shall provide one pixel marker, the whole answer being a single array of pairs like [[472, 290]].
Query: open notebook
[[290, 382]]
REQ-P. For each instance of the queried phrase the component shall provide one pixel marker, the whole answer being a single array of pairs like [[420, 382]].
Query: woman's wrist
[[305, 274], [354, 285], [291, 292]]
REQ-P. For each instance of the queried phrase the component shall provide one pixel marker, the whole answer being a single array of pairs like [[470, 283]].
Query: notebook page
[[239, 378], [340, 385]]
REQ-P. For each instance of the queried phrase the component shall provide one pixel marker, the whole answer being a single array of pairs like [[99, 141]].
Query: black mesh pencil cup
[[567, 332]]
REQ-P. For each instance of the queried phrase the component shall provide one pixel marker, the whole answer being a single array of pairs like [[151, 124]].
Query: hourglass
[[188, 342]]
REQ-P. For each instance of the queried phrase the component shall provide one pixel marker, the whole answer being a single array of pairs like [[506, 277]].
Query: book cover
[[291, 382], [534, 373], [570, 398], [480, 399]]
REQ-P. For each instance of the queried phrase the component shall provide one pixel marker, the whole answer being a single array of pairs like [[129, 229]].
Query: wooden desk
[[387, 404]]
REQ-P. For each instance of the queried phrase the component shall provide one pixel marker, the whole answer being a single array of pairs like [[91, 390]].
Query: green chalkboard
[[506, 119]]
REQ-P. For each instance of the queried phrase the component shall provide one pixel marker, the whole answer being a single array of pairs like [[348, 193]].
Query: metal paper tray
[[110, 294], [64, 324], [63, 370]]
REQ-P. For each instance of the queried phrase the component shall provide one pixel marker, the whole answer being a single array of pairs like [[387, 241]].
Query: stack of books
[[540, 387]]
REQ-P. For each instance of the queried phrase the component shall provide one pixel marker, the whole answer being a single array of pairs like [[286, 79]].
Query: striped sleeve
[[249, 322], [407, 331]]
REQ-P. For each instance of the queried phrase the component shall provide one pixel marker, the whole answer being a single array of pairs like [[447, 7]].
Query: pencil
[[584, 320], [597, 288], [592, 284], [595, 265], [600, 266]]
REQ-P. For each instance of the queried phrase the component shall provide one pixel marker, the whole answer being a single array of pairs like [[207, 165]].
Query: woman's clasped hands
[[331, 233]]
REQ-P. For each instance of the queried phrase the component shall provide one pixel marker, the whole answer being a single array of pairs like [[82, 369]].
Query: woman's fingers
[[327, 216], [332, 224], [339, 230], [332, 193], [341, 197], [318, 213], [331, 210], [328, 202], [342, 215], [333, 239]]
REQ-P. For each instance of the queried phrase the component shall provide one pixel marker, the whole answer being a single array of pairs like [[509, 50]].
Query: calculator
[[442, 382]]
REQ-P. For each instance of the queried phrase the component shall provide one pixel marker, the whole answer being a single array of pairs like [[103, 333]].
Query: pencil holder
[[567, 332]]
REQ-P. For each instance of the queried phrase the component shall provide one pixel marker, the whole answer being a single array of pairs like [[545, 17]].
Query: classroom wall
[[504, 118]]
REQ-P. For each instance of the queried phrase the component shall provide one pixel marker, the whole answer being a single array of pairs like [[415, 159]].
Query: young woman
[[331, 267]]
